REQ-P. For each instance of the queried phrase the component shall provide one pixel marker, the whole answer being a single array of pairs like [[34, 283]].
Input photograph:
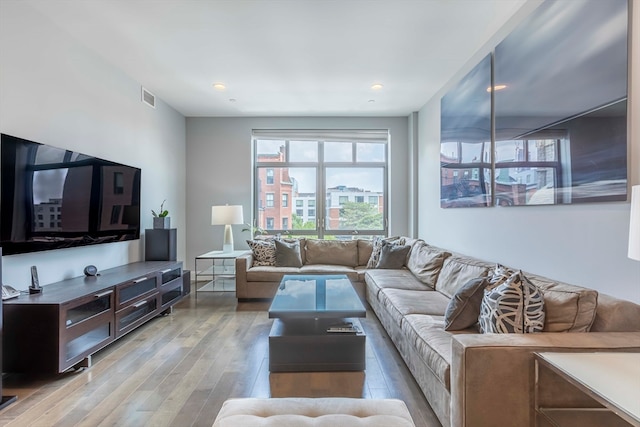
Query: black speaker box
[[160, 244]]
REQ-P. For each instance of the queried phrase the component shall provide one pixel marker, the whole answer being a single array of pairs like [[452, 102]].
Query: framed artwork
[[465, 140], [561, 116]]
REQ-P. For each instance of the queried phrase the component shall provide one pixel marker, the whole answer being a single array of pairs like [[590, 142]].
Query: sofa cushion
[[400, 302], [516, 306], [616, 315], [335, 252], [288, 254], [397, 279], [458, 270], [316, 412], [568, 308], [392, 256], [425, 262], [426, 333], [464, 308], [377, 247], [365, 247], [329, 269], [269, 273], [264, 252]]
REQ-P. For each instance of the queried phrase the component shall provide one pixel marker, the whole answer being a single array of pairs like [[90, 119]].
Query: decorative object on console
[[516, 306], [90, 270], [161, 219], [634, 224], [227, 215]]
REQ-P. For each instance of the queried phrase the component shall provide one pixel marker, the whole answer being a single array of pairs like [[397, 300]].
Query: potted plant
[[161, 218], [254, 229]]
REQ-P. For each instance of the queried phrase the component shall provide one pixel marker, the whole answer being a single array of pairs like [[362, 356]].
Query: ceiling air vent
[[148, 98]]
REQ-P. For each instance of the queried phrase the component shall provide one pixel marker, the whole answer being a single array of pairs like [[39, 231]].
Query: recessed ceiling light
[[232, 100], [372, 100], [376, 86], [219, 86], [497, 88]]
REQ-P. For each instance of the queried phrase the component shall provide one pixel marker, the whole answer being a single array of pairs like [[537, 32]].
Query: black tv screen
[[52, 198]]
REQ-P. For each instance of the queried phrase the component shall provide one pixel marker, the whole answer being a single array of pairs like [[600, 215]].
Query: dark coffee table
[[304, 308]]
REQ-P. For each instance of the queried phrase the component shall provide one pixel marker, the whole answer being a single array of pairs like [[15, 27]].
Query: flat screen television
[[52, 198]]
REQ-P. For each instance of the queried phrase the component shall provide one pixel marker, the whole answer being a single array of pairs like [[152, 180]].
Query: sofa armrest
[[243, 264], [493, 375]]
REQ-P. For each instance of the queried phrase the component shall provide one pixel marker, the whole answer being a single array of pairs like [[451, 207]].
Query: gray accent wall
[[220, 170], [583, 244], [55, 91]]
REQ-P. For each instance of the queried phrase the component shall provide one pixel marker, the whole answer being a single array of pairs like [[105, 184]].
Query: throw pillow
[[288, 254], [377, 247], [516, 306], [393, 256], [499, 275], [264, 252], [464, 308]]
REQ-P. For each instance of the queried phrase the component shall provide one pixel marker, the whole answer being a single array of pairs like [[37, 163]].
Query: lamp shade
[[224, 215], [634, 224]]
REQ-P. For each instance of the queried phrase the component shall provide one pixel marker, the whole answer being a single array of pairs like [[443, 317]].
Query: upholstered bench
[[319, 412]]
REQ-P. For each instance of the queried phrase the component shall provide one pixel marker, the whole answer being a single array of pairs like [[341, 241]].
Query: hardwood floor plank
[[178, 369]]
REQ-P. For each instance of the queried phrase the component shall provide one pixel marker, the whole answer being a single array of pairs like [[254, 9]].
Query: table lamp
[[227, 215], [634, 224]]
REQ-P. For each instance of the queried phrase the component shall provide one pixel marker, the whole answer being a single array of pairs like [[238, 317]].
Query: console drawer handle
[[140, 304], [165, 271], [103, 294], [142, 279]]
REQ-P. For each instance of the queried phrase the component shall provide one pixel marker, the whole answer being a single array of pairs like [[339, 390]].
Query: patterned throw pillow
[[264, 252], [498, 276], [377, 247], [516, 306]]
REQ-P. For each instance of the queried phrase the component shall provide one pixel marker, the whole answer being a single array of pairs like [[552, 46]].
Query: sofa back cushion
[[425, 262], [335, 252], [616, 315], [365, 247], [569, 308], [458, 270]]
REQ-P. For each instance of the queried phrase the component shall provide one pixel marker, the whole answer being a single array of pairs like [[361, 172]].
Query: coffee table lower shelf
[[304, 345]]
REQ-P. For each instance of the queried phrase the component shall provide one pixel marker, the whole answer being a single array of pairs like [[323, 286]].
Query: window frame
[[321, 229]]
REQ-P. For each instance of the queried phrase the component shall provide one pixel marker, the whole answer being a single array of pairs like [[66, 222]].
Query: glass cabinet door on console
[[170, 287], [87, 326], [136, 302]]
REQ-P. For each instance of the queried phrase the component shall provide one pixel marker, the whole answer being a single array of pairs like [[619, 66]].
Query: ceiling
[[285, 57]]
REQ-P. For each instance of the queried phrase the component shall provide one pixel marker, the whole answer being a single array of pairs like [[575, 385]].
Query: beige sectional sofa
[[469, 378]]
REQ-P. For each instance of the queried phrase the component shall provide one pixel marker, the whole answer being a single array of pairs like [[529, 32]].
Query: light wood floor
[[178, 369]]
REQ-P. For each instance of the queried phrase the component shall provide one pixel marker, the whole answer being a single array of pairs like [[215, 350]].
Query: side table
[[587, 389], [205, 266]]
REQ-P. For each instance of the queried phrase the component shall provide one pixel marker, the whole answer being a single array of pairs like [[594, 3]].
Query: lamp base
[[227, 246]]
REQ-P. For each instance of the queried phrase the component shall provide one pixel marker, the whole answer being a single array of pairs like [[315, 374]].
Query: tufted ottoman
[[321, 412]]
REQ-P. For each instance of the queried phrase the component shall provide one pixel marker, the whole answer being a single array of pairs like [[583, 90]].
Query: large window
[[332, 184]]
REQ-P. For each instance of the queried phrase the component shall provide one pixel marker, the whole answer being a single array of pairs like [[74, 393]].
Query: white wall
[[55, 91], [583, 244], [219, 159]]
